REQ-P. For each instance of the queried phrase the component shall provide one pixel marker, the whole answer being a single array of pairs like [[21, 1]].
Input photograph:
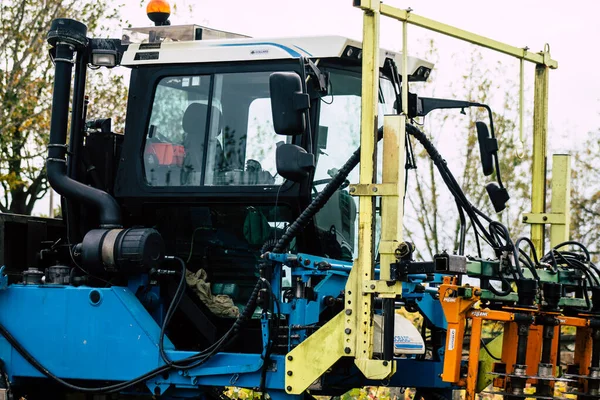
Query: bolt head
[[372, 287], [348, 312], [290, 373], [385, 363], [289, 388], [290, 358], [348, 331], [347, 350]]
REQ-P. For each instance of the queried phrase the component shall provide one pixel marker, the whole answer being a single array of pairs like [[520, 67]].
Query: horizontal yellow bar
[[374, 189], [382, 287], [414, 19], [545, 218]]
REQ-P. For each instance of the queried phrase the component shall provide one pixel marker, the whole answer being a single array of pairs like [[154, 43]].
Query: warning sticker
[[451, 339]]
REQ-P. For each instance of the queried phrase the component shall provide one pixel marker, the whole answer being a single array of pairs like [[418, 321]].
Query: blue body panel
[[106, 334]]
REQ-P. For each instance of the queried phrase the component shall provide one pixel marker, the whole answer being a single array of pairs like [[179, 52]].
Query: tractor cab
[[219, 154], [199, 157]]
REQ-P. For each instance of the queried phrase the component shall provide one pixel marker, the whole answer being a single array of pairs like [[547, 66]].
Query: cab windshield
[[212, 130], [338, 137]]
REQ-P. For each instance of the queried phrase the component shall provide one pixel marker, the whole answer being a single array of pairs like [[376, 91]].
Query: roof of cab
[[252, 49]]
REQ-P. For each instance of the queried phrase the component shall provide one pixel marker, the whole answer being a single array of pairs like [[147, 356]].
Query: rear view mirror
[[498, 195], [288, 103], [293, 162], [488, 147]]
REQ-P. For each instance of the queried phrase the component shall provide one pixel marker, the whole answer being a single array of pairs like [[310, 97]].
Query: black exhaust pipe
[[67, 36]]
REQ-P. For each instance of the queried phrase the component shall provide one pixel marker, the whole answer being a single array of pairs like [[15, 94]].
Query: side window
[[174, 145], [263, 137], [241, 141], [338, 136]]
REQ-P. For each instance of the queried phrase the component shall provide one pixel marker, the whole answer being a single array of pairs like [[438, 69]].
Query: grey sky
[[570, 28]]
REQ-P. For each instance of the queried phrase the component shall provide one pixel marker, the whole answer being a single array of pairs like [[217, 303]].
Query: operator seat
[[194, 126]]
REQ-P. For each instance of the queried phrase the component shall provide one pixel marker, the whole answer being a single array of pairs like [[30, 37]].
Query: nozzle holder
[[527, 291], [552, 294], [595, 299]]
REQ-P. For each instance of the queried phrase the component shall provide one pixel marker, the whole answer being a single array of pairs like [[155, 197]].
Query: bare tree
[[26, 74], [431, 217]]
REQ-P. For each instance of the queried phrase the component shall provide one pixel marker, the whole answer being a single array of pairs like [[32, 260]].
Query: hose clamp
[[65, 60]]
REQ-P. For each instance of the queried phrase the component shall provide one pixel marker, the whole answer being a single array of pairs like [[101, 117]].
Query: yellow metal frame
[[350, 333], [560, 217], [543, 62]]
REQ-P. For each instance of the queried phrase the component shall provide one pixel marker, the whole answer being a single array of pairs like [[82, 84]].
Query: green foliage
[[26, 76]]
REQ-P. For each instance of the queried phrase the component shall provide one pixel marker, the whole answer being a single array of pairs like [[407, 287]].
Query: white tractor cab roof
[[196, 44]]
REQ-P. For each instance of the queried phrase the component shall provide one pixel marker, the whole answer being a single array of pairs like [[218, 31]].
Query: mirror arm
[[490, 116], [321, 78], [301, 101], [428, 104]]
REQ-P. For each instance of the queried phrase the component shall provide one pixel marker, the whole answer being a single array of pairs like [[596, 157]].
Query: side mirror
[[488, 147], [498, 195], [288, 103], [293, 162]]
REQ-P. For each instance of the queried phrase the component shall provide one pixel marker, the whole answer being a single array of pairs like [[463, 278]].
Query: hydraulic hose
[[450, 181], [318, 203], [103, 389], [197, 359]]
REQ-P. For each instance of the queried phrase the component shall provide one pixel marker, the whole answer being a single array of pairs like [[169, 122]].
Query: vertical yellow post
[[392, 207], [561, 197], [368, 133], [540, 135], [521, 103]]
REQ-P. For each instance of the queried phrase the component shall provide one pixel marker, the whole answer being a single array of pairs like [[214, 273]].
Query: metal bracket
[[376, 369], [374, 189], [545, 218], [383, 288], [372, 5]]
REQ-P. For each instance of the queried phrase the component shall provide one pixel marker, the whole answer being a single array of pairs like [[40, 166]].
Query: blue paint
[[300, 48], [288, 50], [115, 338]]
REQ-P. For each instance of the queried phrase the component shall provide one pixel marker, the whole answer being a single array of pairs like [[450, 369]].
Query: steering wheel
[[158, 138], [325, 181]]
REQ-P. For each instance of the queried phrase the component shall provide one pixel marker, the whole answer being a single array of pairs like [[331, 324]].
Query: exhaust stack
[[68, 36]]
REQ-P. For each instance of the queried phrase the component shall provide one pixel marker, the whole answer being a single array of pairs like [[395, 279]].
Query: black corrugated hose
[[317, 203]]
